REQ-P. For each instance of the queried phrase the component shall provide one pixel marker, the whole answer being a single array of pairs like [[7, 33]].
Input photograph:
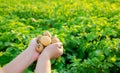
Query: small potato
[[39, 48], [47, 33], [55, 40], [38, 39], [45, 40]]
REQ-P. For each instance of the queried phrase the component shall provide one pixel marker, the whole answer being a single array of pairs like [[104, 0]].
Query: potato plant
[[89, 30]]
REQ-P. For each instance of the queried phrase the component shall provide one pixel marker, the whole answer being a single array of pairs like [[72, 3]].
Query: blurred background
[[89, 30]]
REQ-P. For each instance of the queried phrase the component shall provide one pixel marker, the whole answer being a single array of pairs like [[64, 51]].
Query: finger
[[35, 39], [60, 51], [60, 45]]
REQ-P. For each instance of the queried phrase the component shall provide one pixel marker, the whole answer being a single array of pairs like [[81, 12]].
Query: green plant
[[89, 30]]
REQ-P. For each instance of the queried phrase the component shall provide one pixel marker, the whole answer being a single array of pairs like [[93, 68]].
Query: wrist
[[32, 52], [1, 70], [33, 49], [44, 56]]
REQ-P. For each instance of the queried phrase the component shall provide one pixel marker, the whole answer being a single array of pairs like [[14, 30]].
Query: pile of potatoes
[[44, 40]]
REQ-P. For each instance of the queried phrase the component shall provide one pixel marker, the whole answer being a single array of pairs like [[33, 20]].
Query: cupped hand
[[32, 48], [33, 43], [54, 50]]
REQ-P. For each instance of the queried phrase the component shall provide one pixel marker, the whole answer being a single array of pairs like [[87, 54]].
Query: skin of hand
[[32, 46], [1, 71], [54, 50], [50, 52], [23, 60]]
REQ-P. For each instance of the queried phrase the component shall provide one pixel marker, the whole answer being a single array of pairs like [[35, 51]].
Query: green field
[[89, 30]]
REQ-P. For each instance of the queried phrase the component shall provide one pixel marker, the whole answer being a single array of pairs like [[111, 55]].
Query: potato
[[45, 40], [47, 33], [40, 48], [38, 39], [55, 40]]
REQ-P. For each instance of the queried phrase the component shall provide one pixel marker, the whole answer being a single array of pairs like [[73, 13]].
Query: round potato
[[45, 40], [40, 48], [55, 40], [47, 33], [38, 39]]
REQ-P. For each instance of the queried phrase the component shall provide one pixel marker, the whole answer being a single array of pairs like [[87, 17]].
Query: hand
[[23, 60], [32, 48], [54, 50], [33, 43]]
